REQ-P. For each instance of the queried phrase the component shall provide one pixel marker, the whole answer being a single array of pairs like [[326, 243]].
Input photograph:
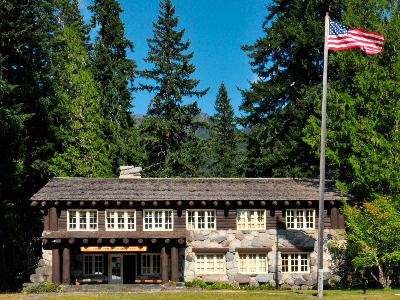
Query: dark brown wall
[[139, 220], [101, 219], [337, 219], [327, 220], [225, 218], [179, 217], [62, 220]]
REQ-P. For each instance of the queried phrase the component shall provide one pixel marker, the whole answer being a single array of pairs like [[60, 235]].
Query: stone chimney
[[130, 172]]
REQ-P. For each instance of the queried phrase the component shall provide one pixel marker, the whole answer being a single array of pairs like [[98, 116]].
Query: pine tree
[[224, 136], [171, 147], [26, 129], [115, 73], [288, 63], [81, 150]]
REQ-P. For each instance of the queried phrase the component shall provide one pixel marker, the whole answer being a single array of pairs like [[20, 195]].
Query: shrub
[[262, 287], [194, 282], [45, 287], [227, 286], [218, 286]]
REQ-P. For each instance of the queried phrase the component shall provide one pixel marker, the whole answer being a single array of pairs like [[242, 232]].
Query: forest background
[[66, 104]]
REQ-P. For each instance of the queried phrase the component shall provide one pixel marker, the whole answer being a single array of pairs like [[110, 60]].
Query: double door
[[121, 269]]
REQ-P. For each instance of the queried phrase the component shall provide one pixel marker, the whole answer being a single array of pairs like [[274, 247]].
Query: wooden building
[[238, 230]]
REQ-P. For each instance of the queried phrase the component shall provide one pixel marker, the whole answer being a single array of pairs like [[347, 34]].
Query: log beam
[[56, 266], [66, 266], [164, 265], [46, 221], [53, 219]]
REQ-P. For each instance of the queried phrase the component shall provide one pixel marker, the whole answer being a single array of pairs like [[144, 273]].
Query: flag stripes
[[344, 37]]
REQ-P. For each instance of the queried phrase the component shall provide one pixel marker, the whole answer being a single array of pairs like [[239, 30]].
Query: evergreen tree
[[363, 138], [224, 136], [115, 73], [78, 119], [67, 13], [288, 63], [170, 145], [26, 130]]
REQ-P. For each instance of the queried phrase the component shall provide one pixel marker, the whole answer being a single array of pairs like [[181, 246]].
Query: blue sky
[[215, 28]]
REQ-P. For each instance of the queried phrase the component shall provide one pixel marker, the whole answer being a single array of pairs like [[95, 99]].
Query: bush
[[45, 287], [214, 286], [262, 287], [218, 286], [194, 282], [227, 286]]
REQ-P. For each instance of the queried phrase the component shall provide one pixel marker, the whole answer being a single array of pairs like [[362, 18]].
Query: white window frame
[[214, 258], [125, 220], [151, 226], [158, 261], [299, 219], [298, 259], [78, 214], [248, 218], [207, 215], [257, 263], [92, 256]]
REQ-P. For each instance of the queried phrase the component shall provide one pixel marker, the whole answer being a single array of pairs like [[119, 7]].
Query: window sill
[[120, 229], [82, 230]]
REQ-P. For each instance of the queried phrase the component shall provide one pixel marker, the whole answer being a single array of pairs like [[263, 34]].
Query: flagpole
[[322, 166]]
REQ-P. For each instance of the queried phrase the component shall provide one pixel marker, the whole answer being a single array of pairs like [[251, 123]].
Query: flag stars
[[336, 28]]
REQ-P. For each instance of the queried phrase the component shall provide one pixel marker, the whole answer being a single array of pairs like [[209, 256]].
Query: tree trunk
[[4, 285], [384, 279]]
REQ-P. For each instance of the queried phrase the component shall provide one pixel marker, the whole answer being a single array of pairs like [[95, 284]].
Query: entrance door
[[129, 269], [115, 268]]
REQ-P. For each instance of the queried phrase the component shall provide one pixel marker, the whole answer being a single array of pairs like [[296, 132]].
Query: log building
[[152, 230]]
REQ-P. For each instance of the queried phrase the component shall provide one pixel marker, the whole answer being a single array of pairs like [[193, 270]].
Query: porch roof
[[114, 234]]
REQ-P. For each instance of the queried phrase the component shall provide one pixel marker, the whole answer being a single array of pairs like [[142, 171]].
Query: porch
[[123, 258]]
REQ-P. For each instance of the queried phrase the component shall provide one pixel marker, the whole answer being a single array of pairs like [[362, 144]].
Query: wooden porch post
[[53, 219], [46, 220], [174, 265], [164, 265], [334, 218], [66, 274], [55, 266]]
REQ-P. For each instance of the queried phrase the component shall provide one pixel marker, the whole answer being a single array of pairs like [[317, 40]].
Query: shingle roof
[[162, 189]]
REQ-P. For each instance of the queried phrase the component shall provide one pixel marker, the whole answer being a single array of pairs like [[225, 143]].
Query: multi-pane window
[[200, 219], [300, 218], [250, 219], [210, 264], [120, 219], [157, 220], [82, 219], [253, 263], [92, 264], [151, 264], [295, 263]]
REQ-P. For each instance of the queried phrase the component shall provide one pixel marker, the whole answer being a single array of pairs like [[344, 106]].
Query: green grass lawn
[[222, 295]]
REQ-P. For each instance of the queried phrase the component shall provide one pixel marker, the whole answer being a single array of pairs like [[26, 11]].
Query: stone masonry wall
[[272, 238], [43, 273]]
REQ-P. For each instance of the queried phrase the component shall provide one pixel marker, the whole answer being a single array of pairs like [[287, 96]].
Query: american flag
[[345, 37]]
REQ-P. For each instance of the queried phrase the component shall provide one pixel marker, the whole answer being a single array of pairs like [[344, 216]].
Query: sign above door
[[114, 249]]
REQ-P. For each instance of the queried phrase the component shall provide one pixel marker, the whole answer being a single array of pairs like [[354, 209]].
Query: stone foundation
[[43, 273], [231, 239], [274, 239]]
